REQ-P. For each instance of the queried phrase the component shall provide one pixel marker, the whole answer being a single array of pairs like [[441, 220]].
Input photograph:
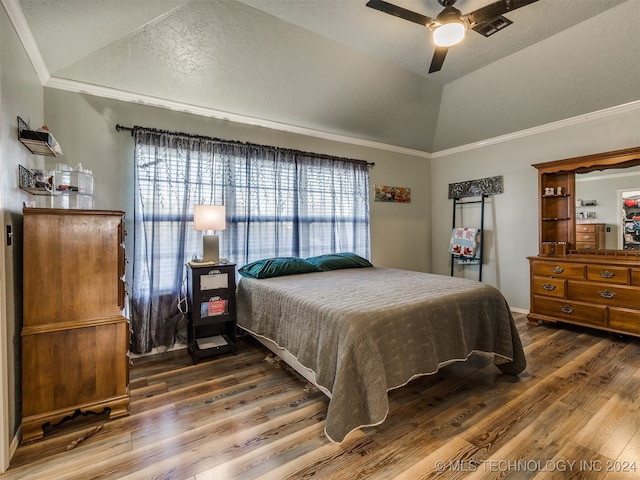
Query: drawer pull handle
[[557, 270], [587, 247], [587, 237], [214, 272], [566, 309], [607, 293], [548, 287], [607, 274]]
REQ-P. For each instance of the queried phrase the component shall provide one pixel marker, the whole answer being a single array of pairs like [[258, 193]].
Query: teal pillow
[[336, 261], [276, 267]]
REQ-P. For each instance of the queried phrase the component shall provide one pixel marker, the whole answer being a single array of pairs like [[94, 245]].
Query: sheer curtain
[[278, 203]]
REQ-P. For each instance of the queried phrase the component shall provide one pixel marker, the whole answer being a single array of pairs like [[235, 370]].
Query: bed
[[357, 333]]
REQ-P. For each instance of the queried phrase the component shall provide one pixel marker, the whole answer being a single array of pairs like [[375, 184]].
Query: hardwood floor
[[574, 413]]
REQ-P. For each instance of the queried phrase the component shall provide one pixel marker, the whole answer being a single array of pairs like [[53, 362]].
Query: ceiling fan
[[450, 25]]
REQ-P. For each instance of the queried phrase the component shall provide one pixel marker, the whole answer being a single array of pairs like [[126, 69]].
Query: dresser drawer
[[635, 277], [625, 320], [211, 278], [586, 237], [585, 228], [573, 312], [560, 269], [608, 274], [586, 245], [550, 287], [613, 295]]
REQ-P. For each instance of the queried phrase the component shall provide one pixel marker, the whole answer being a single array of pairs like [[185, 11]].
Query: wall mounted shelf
[[38, 143], [66, 188], [34, 182]]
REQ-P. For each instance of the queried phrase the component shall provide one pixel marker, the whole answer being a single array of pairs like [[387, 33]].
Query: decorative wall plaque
[[476, 188]]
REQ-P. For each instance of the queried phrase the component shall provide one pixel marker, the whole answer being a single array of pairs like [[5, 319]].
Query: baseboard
[[519, 310], [15, 442]]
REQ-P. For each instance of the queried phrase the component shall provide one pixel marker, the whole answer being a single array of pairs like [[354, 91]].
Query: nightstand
[[211, 293]]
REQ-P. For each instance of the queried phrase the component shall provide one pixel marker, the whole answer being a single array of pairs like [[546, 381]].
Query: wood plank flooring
[[574, 413]]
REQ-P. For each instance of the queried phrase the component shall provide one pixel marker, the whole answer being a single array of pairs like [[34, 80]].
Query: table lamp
[[209, 217]]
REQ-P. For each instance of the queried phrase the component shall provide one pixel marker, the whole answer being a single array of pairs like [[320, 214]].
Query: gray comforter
[[365, 331]]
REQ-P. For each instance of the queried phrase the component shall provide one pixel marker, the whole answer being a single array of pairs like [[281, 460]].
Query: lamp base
[[210, 248]]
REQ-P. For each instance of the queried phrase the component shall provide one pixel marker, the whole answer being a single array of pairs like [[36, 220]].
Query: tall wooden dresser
[[75, 340]]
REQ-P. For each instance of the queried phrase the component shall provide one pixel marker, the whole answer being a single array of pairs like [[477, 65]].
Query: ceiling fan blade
[[494, 10], [438, 59], [400, 12]]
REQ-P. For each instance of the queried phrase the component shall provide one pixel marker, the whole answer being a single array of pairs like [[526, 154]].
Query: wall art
[[392, 194]]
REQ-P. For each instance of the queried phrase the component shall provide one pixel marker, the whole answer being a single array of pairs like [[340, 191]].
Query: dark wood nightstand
[[211, 292]]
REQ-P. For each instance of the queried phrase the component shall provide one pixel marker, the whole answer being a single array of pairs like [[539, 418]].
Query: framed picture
[[385, 193]]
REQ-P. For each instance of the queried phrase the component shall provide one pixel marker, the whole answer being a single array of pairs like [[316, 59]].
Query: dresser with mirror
[[587, 271]]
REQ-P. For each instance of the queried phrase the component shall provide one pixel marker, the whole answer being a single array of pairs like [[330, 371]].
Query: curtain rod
[[133, 129]]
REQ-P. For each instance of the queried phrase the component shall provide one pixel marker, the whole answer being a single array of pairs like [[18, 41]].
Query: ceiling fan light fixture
[[449, 33], [450, 26]]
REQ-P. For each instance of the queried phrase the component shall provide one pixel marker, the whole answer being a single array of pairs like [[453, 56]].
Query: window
[[278, 203]]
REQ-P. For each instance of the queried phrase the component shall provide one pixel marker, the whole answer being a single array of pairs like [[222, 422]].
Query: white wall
[[20, 95], [512, 216]]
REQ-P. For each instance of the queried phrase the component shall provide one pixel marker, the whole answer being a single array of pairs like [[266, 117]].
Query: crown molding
[[579, 119], [15, 14], [147, 100], [115, 94]]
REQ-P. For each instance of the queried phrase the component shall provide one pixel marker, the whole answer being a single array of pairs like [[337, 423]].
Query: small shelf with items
[[65, 188], [583, 214], [36, 182], [586, 215], [38, 142], [556, 213]]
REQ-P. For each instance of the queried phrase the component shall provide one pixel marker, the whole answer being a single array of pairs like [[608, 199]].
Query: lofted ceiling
[[336, 67]]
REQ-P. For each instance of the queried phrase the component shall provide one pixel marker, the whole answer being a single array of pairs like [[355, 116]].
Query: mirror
[[610, 200]]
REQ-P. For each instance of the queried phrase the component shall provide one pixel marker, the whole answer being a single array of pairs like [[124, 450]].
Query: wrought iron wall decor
[[476, 188]]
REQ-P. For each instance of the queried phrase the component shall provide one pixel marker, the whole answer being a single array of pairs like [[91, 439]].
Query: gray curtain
[[279, 202]]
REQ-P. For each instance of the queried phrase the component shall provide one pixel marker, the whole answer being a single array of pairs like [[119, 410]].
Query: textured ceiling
[[408, 45], [333, 66]]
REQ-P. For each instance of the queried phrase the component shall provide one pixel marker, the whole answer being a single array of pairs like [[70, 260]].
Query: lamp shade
[[209, 217]]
